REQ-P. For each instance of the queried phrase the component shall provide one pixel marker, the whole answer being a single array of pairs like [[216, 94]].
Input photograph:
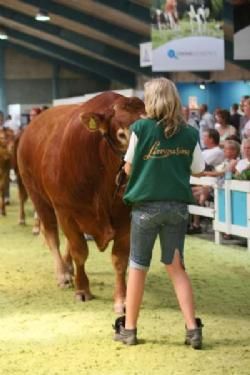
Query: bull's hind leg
[[36, 225], [120, 254], [2, 203], [23, 196], [49, 229], [67, 258], [78, 250]]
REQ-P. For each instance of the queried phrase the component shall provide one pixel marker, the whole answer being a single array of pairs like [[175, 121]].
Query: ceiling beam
[[98, 24], [114, 54], [76, 59], [52, 60], [134, 10]]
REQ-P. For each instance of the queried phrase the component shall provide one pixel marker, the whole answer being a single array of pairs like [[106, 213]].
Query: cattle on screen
[[198, 17], [68, 159]]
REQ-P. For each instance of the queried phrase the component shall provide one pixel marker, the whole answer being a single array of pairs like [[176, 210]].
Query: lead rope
[[121, 178]]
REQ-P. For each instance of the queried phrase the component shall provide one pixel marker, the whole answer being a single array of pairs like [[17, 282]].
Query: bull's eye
[[123, 136]]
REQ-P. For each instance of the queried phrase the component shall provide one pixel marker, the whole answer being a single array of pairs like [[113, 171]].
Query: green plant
[[245, 175]]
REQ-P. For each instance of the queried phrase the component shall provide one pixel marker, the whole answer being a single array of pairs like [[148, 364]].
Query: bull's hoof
[[70, 269], [21, 222], [66, 282], [80, 297], [119, 307], [83, 296], [35, 231]]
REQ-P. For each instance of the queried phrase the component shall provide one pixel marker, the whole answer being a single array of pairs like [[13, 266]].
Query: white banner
[[242, 30], [145, 54], [187, 36]]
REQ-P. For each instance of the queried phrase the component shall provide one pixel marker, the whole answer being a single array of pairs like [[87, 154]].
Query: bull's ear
[[94, 122]]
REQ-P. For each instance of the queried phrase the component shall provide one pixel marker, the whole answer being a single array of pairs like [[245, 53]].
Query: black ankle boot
[[194, 336], [127, 336]]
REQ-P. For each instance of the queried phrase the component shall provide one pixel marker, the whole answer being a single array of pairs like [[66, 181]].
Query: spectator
[[244, 163], [235, 118], [241, 109], [10, 124], [231, 157], [206, 121], [246, 128], [213, 154], [224, 128], [243, 119], [205, 193], [189, 119]]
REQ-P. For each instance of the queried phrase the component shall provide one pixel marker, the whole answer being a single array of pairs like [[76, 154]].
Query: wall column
[[55, 81]]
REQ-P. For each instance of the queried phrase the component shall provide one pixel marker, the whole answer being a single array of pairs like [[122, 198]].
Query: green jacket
[[161, 167]]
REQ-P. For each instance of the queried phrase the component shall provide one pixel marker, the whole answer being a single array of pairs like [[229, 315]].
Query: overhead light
[[202, 86], [3, 34], [42, 15]]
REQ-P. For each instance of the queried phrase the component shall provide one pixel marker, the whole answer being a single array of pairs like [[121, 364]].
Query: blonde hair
[[233, 144], [162, 102], [245, 141]]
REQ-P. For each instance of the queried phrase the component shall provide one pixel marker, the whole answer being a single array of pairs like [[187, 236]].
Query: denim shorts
[[149, 219]]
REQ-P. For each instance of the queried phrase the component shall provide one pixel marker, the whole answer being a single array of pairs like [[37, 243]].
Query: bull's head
[[115, 121], [127, 111]]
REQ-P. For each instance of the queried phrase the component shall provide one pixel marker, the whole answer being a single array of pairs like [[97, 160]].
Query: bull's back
[[57, 150], [37, 138], [47, 130]]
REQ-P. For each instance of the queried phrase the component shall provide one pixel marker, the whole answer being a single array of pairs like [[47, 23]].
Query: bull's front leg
[[79, 252], [77, 248], [120, 255]]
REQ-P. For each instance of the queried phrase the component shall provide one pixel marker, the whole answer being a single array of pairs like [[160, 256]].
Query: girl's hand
[[127, 168]]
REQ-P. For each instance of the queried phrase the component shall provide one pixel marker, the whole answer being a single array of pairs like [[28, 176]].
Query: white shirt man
[[213, 154], [206, 121]]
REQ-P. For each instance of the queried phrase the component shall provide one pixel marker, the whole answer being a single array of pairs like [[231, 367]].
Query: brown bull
[[6, 148], [68, 159]]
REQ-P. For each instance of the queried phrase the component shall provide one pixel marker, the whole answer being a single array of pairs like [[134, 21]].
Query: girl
[[163, 152]]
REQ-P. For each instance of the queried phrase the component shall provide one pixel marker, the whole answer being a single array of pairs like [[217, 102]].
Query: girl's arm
[[130, 154]]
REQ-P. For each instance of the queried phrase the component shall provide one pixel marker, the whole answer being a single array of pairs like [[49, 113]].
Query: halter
[[121, 176], [113, 146]]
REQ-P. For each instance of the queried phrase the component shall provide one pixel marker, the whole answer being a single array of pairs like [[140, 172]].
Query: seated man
[[205, 193], [244, 163], [206, 122], [213, 156], [212, 153], [231, 158]]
